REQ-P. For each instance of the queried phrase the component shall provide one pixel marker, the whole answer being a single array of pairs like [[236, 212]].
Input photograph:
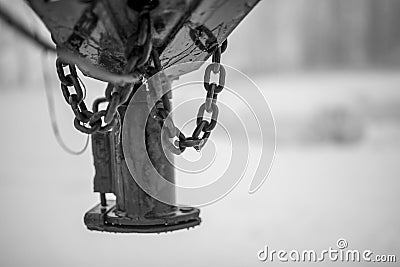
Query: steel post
[[134, 210]]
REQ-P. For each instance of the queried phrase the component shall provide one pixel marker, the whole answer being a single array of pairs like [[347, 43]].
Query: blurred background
[[330, 72]]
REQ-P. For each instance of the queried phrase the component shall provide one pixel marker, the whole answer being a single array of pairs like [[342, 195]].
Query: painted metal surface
[[105, 31]]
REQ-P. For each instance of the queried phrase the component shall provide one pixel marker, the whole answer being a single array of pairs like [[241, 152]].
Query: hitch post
[[134, 210]]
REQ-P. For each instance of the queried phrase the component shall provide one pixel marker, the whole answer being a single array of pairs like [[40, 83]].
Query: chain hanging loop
[[115, 95], [86, 121], [210, 106]]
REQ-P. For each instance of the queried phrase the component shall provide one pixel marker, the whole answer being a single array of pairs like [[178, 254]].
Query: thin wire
[[22, 29], [52, 113], [84, 88]]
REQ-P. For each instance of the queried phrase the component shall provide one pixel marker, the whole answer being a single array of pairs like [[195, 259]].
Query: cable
[[52, 113], [84, 88], [20, 28]]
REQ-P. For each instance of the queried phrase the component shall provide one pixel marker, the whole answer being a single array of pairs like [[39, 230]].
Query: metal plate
[[103, 31], [104, 219]]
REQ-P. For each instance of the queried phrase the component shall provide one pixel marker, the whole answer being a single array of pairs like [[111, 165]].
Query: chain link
[[140, 54], [86, 121], [211, 42], [90, 122], [203, 128]]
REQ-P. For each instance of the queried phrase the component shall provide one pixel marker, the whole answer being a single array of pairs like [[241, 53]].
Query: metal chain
[[86, 121], [90, 122], [203, 128], [140, 54]]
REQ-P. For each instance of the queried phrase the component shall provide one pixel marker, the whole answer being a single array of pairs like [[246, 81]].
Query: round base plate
[[104, 218]]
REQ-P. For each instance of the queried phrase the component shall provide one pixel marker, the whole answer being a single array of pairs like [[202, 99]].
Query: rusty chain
[[140, 54], [97, 120], [90, 122], [203, 126]]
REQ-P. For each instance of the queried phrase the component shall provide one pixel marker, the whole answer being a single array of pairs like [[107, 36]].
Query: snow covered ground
[[325, 184]]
